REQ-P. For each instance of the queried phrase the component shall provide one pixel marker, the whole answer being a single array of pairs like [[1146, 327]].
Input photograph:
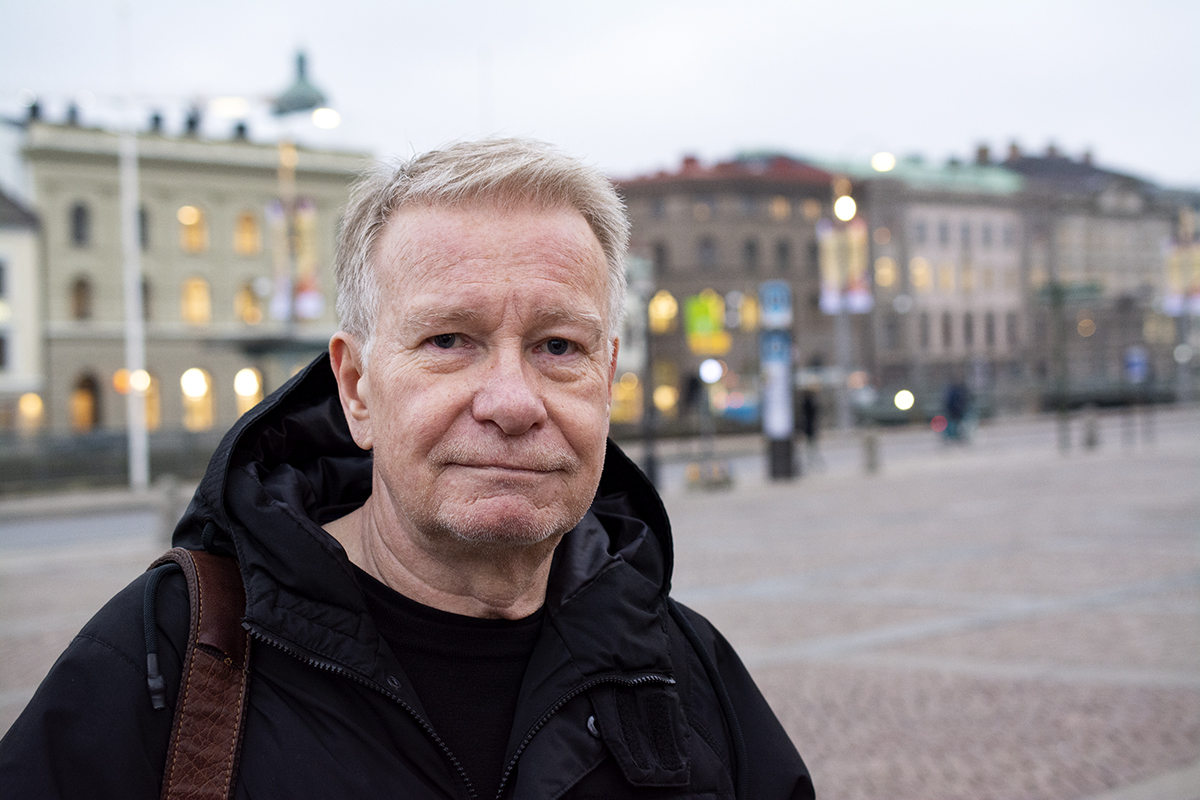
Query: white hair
[[504, 172]]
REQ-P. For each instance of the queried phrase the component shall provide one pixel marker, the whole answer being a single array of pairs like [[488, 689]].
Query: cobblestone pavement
[[992, 621]]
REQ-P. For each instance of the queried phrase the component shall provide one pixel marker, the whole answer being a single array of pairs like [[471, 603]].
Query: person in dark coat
[[456, 586]]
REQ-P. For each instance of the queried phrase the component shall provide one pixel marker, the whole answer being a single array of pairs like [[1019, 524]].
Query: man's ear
[[354, 388]]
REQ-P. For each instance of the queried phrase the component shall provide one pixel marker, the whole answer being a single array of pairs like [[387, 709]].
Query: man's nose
[[508, 395]]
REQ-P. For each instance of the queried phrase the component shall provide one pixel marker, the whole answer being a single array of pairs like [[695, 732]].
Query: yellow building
[[216, 265]]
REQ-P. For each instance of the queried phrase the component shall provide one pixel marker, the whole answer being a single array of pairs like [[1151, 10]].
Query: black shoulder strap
[[206, 735]]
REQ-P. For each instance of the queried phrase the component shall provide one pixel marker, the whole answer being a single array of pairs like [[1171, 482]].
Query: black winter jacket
[[616, 702]]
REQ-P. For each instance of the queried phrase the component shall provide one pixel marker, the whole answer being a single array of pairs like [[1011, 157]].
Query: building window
[[783, 256], [147, 299], [968, 330], [81, 225], [946, 277], [153, 397], [944, 232], [923, 330], [985, 235], [749, 206], [781, 209], [85, 404], [248, 387], [989, 330], [708, 254], [1010, 236], [3, 278], [3, 350], [193, 229], [966, 234], [81, 298], [661, 261], [247, 235], [247, 305], [144, 228], [702, 209], [920, 274], [750, 256], [197, 399], [195, 302], [947, 331], [658, 208], [1010, 325], [919, 232]]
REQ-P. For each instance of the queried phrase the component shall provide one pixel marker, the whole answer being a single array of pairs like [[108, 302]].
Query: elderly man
[[455, 586]]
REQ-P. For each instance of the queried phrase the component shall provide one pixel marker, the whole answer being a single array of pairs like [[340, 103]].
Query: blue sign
[[775, 353], [775, 298]]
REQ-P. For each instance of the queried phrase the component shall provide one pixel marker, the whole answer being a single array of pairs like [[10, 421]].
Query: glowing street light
[[883, 162], [844, 208], [904, 400]]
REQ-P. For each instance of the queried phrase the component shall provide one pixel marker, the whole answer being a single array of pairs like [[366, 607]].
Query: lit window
[[30, 412], [663, 310], [197, 399], [247, 235], [195, 302], [153, 405], [193, 229], [81, 225], [921, 274], [780, 208], [85, 404], [946, 277], [81, 298], [247, 305], [248, 387], [885, 271]]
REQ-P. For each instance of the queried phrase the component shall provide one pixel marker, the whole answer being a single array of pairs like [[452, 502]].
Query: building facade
[[21, 352], [237, 290], [716, 233]]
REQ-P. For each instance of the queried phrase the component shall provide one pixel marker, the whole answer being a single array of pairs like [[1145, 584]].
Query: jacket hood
[[290, 465]]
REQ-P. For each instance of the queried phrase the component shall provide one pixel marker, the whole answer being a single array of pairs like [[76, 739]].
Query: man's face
[[487, 393]]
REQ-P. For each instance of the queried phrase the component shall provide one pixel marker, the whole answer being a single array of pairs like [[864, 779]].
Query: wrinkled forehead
[[425, 238]]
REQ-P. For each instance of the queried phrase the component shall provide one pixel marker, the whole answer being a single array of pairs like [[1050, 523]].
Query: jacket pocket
[[644, 729]]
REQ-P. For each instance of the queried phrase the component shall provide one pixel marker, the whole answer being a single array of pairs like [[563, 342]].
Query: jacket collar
[[290, 464]]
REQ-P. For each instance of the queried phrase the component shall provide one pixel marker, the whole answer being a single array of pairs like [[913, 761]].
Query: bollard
[[871, 452], [1091, 429]]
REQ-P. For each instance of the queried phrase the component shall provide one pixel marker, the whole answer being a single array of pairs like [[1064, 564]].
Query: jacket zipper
[[334, 668], [561, 701]]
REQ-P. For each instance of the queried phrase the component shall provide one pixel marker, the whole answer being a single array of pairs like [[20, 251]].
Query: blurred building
[[21, 378], [712, 234], [946, 261], [1095, 248], [237, 291]]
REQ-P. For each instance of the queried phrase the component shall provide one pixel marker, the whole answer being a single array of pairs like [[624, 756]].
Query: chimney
[[690, 164], [192, 125], [983, 155], [241, 132], [1087, 157], [35, 111], [73, 115], [1014, 151], [1052, 150], [156, 123]]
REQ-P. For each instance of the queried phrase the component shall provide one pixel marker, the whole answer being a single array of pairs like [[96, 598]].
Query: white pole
[[135, 328]]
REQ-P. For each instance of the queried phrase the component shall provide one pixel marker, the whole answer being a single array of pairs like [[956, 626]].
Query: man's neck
[[486, 581]]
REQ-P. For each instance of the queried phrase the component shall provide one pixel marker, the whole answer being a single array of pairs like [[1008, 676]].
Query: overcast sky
[[632, 85]]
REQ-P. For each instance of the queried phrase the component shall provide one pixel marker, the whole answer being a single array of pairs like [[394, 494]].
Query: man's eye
[[557, 347], [444, 340]]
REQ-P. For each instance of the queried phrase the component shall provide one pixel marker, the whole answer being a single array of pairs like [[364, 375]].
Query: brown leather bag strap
[[206, 736]]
